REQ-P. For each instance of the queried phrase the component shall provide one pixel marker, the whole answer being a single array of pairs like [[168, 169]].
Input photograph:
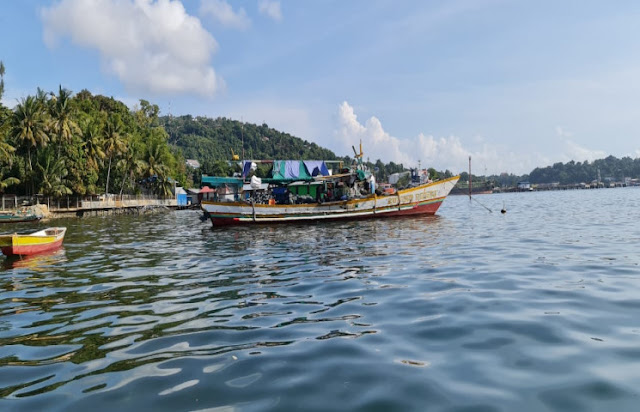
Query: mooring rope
[[473, 198]]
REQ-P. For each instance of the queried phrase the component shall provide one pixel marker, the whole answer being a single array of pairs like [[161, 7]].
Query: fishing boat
[[19, 216], [303, 191], [32, 243]]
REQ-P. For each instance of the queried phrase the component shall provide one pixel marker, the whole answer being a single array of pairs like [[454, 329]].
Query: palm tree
[[163, 186], [29, 128], [1, 79], [53, 173], [155, 160], [130, 167], [92, 141], [9, 181], [62, 123], [5, 149], [114, 143]]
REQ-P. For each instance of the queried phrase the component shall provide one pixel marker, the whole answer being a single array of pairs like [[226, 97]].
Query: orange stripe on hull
[[31, 249]]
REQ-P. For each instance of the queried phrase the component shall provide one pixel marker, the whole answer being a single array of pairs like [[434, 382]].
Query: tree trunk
[[108, 173], [124, 181], [30, 174]]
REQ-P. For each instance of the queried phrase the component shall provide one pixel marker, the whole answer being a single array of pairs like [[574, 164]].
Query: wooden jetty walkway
[[87, 206]]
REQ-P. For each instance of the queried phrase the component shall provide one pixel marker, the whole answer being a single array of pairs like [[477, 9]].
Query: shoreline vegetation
[[60, 145]]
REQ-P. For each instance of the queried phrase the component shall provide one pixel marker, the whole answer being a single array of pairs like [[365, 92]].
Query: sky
[[513, 84]]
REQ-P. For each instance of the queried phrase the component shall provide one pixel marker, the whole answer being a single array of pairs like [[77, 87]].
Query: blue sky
[[514, 84]]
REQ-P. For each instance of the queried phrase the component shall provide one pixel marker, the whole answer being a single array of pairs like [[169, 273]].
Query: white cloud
[[441, 153], [579, 153], [561, 132], [223, 13], [151, 46], [270, 8]]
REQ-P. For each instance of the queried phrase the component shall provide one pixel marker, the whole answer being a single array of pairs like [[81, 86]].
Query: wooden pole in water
[[469, 177]]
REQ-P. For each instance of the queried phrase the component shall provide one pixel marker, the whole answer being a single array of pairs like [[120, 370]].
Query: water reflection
[[38, 263]]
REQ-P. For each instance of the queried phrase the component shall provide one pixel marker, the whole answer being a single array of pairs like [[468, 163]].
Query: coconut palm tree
[[114, 142], [62, 124], [9, 181], [130, 167], [1, 79], [29, 128], [164, 185], [92, 142], [5, 151], [155, 160], [53, 174]]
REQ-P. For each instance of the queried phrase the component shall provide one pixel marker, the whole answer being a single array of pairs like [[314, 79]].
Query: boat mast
[[470, 177], [242, 135]]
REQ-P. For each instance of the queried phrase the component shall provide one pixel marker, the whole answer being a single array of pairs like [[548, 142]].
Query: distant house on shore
[[192, 196], [206, 193], [181, 196], [193, 163], [524, 186]]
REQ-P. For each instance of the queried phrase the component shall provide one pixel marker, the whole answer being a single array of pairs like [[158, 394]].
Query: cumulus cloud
[[574, 151], [561, 132], [222, 12], [151, 46], [438, 152], [270, 8]]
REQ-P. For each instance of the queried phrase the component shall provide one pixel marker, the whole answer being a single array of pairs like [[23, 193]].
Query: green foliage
[[83, 143], [211, 140], [9, 181], [1, 79], [611, 168], [52, 175]]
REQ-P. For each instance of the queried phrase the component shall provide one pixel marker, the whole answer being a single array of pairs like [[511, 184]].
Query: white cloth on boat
[[255, 182], [316, 167], [291, 169]]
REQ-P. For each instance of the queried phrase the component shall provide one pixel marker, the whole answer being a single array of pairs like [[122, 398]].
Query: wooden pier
[[88, 206]]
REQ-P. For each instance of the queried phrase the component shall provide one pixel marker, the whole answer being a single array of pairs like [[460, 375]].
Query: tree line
[[608, 169], [213, 142], [58, 144]]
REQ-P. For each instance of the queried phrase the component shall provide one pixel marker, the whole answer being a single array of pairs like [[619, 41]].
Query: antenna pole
[[469, 177]]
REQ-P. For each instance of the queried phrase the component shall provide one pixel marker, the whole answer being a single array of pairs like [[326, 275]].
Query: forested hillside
[[611, 168], [206, 140]]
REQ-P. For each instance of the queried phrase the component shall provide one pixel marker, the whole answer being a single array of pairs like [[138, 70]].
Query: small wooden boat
[[32, 243], [18, 216]]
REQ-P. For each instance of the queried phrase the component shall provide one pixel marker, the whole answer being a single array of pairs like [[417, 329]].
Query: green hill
[[210, 140]]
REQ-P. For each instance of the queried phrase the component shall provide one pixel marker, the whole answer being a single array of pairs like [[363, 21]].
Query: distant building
[[181, 196], [524, 186], [193, 163], [192, 196]]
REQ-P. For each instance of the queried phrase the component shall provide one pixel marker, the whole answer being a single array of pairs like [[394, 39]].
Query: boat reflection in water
[[39, 262]]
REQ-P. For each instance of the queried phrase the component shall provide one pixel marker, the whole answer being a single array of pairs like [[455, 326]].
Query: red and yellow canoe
[[32, 243]]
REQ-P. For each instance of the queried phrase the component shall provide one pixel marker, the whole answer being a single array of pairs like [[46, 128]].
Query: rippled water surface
[[535, 309]]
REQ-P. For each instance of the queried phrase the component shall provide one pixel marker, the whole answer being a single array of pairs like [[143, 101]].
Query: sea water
[[469, 310]]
